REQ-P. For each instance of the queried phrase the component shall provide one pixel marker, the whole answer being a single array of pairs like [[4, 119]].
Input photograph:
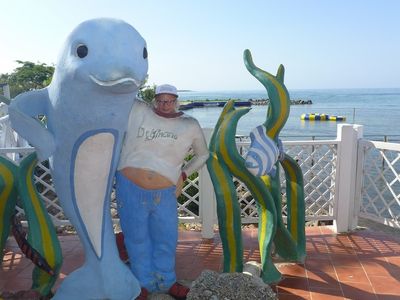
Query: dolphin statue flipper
[[29, 106], [87, 106]]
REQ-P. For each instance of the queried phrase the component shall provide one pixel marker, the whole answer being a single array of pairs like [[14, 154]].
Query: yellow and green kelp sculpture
[[42, 245], [225, 162], [8, 199]]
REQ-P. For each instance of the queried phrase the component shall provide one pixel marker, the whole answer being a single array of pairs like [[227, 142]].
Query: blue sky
[[198, 45]]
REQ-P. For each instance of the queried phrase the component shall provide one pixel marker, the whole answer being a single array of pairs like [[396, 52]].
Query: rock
[[229, 286], [252, 268]]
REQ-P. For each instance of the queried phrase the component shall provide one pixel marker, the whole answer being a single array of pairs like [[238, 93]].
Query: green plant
[[147, 92]]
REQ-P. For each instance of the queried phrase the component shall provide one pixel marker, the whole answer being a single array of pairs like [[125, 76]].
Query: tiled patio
[[361, 265]]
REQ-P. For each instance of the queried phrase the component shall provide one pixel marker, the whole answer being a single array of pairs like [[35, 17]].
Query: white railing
[[343, 178], [317, 160], [380, 188]]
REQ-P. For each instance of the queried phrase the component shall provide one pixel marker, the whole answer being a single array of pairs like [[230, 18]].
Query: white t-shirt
[[161, 143]]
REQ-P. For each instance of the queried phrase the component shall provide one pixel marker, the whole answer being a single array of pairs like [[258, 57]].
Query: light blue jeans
[[149, 222]]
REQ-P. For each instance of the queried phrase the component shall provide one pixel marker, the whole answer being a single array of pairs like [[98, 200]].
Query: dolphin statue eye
[[145, 53], [82, 51]]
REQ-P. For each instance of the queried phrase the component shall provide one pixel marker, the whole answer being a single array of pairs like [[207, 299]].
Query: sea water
[[378, 110]]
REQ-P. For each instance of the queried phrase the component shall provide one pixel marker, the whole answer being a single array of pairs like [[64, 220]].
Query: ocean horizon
[[377, 109]]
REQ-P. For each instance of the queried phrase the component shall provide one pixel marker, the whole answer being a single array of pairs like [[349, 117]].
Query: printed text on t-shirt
[[151, 134]]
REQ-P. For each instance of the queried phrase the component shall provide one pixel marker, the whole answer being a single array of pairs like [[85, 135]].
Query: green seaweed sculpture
[[225, 162], [42, 245], [8, 198]]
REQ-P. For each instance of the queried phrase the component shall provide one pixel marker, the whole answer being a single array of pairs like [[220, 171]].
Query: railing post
[[207, 197], [346, 176], [359, 183]]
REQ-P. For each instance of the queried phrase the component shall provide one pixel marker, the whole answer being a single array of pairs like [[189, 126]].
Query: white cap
[[166, 89]]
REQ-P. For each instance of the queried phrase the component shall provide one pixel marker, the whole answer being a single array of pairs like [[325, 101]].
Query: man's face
[[166, 103]]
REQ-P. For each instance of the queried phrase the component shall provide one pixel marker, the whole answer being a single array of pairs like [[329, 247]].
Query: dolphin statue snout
[[123, 84], [117, 78]]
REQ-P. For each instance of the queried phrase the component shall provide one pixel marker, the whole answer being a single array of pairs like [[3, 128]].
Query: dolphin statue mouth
[[122, 82]]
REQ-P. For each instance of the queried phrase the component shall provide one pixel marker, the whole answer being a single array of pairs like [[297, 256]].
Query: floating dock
[[321, 117]]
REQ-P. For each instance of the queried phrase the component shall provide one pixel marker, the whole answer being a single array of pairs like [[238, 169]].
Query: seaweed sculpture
[[42, 245], [225, 162]]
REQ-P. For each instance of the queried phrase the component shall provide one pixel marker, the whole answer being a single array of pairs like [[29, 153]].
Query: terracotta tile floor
[[360, 265]]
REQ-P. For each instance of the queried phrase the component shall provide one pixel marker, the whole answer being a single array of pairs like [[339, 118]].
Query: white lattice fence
[[188, 202], [317, 160], [46, 189], [380, 194]]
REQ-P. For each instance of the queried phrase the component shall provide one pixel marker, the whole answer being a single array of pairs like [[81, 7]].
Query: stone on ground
[[229, 286]]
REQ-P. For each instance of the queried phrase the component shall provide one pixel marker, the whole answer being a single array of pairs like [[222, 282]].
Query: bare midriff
[[146, 178]]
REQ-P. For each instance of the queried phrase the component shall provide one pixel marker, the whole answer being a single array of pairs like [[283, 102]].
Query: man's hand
[[179, 187]]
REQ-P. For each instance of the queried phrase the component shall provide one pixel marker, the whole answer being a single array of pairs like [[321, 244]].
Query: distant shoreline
[[292, 101], [250, 100]]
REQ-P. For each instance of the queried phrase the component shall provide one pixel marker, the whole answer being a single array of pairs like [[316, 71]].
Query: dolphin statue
[[87, 104]]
